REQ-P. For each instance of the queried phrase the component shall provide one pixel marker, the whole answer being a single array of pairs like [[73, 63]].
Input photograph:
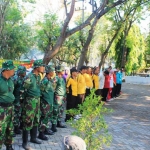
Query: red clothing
[[114, 77], [107, 81]]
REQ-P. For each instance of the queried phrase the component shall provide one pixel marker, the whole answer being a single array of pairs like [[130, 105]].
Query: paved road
[[129, 124]]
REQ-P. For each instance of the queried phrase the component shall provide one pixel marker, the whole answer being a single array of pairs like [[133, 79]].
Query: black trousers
[[71, 103], [104, 93], [87, 92], [114, 89], [118, 89]]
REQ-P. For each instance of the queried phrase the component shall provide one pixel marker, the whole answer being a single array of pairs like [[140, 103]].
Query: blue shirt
[[119, 78]]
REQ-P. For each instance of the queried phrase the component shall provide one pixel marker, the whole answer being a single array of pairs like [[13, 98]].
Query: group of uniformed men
[[30, 103]]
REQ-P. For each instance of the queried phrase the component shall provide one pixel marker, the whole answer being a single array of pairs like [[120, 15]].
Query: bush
[[91, 126]]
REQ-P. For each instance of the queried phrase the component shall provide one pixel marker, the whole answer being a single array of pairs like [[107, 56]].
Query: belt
[[6, 104]]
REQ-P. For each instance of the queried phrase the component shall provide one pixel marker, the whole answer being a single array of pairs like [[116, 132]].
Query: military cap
[[49, 68], [21, 69], [60, 68], [8, 65], [38, 63]]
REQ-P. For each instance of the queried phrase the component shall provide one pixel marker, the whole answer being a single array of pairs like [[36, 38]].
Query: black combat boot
[[60, 125], [33, 135], [42, 136], [54, 128], [9, 147], [25, 140], [48, 132], [21, 125], [17, 130]]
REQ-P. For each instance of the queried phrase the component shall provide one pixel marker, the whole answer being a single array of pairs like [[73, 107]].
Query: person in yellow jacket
[[71, 86], [95, 79], [88, 81], [81, 85]]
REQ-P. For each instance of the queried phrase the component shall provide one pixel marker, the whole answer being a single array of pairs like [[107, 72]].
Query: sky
[[43, 6]]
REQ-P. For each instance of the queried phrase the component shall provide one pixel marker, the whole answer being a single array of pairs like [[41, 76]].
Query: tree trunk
[[64, 33], [104, 54]]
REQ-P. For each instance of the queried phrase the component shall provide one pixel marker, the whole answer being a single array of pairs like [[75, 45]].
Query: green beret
[[60, 68], [49, 68], [38, 63], [21, 70], [8, 65]]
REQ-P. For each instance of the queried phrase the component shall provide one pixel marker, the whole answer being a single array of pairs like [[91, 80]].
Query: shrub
[[91, 126]]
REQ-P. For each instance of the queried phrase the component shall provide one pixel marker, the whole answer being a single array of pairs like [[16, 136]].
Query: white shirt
[[101, 80]]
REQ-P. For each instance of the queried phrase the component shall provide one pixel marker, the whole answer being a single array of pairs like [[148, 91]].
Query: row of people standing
[[106, 83], [36, 103]]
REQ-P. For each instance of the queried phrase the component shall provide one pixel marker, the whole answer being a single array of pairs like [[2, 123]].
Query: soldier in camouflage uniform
[[6, 105], [47, 98], [60, 97], [31, 104], [19, 96]]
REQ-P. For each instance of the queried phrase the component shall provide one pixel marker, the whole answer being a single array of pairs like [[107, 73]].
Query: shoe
[[17, 130], [60, 125], [33, 135], [25, 140], [54, 128], [9, 147], [42, 136], [48, 132]]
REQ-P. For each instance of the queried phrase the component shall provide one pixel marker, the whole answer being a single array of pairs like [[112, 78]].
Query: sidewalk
[[129, 124]]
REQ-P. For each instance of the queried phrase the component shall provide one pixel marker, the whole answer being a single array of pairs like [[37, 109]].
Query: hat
[[60, 68], [38, 63], [49, 68], [73, 70], [21, 70], [8, 65]]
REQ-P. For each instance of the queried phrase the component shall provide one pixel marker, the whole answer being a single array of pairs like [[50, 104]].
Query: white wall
[[138, 80]]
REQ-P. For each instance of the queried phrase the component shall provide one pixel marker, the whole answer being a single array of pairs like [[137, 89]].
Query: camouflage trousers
[[17, 114], [6, 125], [45, 113], [31, 112], [59, 106]]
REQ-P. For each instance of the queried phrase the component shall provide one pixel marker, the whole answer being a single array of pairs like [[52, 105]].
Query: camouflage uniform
[[31, 105], [47, 98], [19, 94], [6, 107], [60, 97]]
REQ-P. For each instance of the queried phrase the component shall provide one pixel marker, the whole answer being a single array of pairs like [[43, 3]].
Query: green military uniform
[[46, 105], [19, 95], [6, 107], [31, 105], [60, 97], [31, 112]]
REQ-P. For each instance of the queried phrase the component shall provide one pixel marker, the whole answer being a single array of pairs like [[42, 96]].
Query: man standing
[[81, 84], [71, 91], [88, 81], [19, 96], [31, 104], [47, 98], [6, 105], [60, 96]]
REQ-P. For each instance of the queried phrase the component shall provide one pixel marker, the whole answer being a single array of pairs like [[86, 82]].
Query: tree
[[100, 11], [15, 36]]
